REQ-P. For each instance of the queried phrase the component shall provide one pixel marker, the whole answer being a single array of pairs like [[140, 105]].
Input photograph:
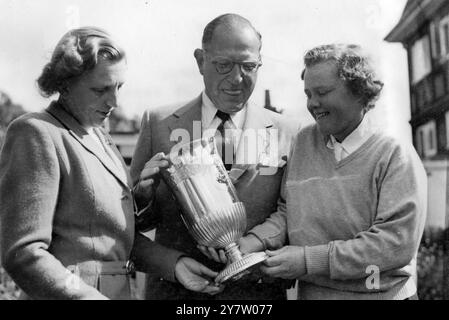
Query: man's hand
[[149, 177], [196, 277], [286, 263]]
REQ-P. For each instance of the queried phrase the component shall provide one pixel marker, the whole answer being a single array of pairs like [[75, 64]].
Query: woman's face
[[335, 109], [92, 96]]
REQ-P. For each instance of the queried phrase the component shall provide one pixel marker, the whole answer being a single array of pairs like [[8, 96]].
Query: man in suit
[[228, 61]]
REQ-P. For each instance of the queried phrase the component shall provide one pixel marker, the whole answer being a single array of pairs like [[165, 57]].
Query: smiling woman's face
[[92, 96], [335, 109]]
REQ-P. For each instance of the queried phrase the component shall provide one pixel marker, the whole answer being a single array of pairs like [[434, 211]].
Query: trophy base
[[238, 269]]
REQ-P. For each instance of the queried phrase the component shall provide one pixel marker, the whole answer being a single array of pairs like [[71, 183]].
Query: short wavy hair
[[354, 68], [78, 51]]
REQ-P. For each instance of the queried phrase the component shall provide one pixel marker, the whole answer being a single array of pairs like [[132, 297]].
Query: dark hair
[[354, 68], [77, 52], [227, 20]]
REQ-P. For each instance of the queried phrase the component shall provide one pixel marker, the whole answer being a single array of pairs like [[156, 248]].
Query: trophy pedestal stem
[[238, 263], [233, 253]]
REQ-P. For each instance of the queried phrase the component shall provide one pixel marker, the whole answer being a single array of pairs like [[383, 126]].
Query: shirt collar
[[355, 139], [208, 111]]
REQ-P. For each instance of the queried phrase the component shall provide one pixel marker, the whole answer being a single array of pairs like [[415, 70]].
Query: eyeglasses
[[224, 66]]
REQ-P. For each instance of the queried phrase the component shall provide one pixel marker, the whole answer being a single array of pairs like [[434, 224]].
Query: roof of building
[[415, 14]]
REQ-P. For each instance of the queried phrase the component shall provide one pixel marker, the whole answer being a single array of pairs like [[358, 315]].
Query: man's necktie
[[224, 140]]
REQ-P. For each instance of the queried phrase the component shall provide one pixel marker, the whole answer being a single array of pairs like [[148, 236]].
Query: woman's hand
[[286, 263], [214, 254], [196, 277], [149, 177], [250, 243], [247, 244]]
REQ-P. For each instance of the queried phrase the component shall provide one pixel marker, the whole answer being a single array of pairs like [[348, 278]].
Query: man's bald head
[[227, 22], [229, 61]]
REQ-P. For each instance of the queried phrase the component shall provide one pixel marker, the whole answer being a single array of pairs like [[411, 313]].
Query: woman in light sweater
[[353, 202]]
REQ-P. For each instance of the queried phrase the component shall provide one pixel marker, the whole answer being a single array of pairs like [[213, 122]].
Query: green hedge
[[8, 289], [431, 265]]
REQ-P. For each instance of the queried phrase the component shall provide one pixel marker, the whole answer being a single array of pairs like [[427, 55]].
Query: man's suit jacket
[[260, 197], [63, 201]]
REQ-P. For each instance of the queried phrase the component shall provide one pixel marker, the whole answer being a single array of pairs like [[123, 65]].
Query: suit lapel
[[81, 135], [188, 121], [257, 134], [125, 176]]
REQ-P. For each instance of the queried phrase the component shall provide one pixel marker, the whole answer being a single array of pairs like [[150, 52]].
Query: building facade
[[423, 29]]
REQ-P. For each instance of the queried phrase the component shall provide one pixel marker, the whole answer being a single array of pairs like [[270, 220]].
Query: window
[[426, 139], [431, 145], [441, 133], [432, 132], [419, 142], [444, 36], [421, 62], [445, 40], [447, 130], [435, 40]]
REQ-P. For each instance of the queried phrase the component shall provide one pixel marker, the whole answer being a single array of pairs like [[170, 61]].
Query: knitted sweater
[[360, 219]]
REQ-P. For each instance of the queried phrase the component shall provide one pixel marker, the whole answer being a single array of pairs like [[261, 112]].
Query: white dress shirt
[[210, 122], [352, 142]]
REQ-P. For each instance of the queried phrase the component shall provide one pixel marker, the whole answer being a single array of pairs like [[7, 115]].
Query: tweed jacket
[[159, 134], [63, 201]]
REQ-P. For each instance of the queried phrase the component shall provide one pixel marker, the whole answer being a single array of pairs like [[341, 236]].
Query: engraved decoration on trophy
[[211, 209]]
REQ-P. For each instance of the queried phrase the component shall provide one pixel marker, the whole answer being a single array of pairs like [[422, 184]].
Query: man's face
[[229, 67]]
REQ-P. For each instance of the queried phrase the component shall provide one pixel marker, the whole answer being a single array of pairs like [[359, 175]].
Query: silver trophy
[[211, 209]]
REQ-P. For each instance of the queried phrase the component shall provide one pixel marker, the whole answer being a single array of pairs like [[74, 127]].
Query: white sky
[[160, 36]]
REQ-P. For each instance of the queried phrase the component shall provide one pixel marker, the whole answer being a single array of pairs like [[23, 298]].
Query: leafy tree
[[8, 112]]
